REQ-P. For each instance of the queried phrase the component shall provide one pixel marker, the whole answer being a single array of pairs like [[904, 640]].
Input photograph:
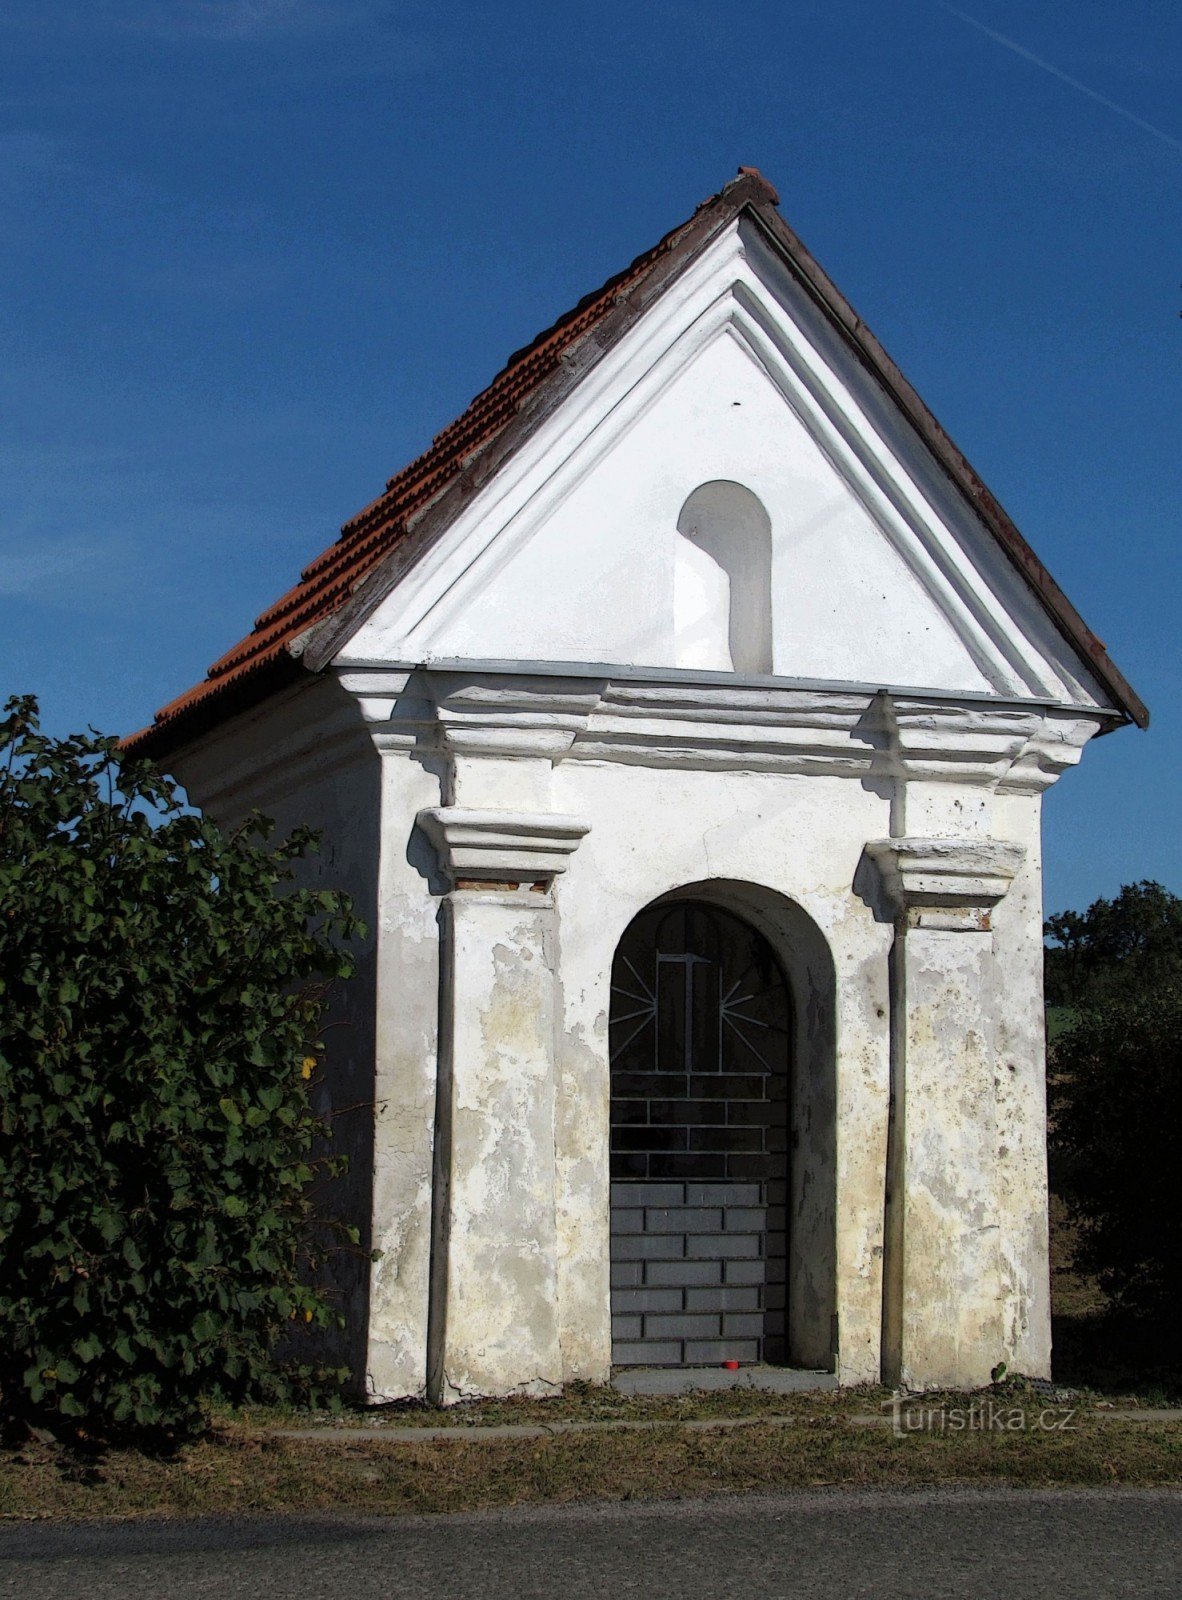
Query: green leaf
[[110, 1225], [204, 1327]]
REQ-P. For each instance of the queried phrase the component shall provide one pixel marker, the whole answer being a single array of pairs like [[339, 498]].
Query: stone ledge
[[950, 884], [498, 849]]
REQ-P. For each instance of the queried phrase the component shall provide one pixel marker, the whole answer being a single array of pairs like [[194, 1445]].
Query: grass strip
[[240, 1470]]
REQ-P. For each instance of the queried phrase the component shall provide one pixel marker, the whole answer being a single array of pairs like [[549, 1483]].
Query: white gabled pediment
[[729, 490]]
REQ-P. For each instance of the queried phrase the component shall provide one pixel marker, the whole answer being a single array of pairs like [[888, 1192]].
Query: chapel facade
[[679, 723]]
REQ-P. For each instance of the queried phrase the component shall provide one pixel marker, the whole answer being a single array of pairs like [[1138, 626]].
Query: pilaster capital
[[501, 849], [946, 883]]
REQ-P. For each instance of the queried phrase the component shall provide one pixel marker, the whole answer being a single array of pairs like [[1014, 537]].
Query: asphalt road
[[902, 1545]]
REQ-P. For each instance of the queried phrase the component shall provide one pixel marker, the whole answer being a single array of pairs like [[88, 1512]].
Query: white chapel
[[679, 723]]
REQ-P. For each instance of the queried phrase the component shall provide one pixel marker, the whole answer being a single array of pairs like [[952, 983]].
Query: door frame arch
[[804, 958]]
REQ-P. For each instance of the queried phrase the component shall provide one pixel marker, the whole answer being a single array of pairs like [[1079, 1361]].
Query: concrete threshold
[[694, 1380]]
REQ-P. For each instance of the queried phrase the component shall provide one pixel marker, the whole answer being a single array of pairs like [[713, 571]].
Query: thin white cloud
[[212, 20], [47, 565], [1063, 77], [235, 19]]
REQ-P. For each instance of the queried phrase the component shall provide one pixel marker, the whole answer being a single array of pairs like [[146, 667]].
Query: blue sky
[[256, 252]]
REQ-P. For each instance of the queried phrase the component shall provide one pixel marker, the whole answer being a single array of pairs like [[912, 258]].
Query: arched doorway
[[701, 1041]]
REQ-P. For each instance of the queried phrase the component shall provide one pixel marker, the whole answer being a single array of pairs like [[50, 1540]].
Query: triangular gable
[[397, 539], [729, 402]]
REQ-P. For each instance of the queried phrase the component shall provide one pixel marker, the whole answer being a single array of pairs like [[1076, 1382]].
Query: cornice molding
[[681, 720]]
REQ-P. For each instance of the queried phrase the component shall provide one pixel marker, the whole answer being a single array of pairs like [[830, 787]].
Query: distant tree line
[[1115, 1080], [1133, 942]]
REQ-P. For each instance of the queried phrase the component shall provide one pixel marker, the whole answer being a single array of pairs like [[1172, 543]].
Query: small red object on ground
[[731, 1366]]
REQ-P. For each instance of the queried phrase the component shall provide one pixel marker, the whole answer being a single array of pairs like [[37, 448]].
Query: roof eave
[[165, 737]]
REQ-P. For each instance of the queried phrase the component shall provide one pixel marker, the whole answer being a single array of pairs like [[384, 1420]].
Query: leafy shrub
[[1116, 1111], [161, 984]]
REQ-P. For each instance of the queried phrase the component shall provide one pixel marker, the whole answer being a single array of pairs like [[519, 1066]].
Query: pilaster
[[943, 1321], [494, 1301], [494, 1326]]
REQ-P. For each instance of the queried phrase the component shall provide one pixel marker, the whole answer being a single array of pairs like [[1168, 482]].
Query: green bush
[[161, 985], [1116, 1111]]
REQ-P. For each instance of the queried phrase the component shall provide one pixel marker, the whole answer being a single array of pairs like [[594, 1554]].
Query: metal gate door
[[700, 1047]]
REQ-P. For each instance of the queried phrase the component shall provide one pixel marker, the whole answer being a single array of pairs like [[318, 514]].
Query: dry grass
[[581, 1402], [241, 1470]]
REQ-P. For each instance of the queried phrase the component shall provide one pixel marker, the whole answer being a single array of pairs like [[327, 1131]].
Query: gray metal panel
[[670, 1253]]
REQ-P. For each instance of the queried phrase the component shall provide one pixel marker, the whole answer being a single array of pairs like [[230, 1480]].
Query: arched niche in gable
[[722, 581]]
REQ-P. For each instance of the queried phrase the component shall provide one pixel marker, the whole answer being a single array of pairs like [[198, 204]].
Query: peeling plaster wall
[[483, 1166], [1020, 1090], [406, 1053], [522, 1248], [495, 1320], [948, 1269]]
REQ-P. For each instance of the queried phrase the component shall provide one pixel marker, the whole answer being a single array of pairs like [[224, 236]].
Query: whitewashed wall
[[765, 800]]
